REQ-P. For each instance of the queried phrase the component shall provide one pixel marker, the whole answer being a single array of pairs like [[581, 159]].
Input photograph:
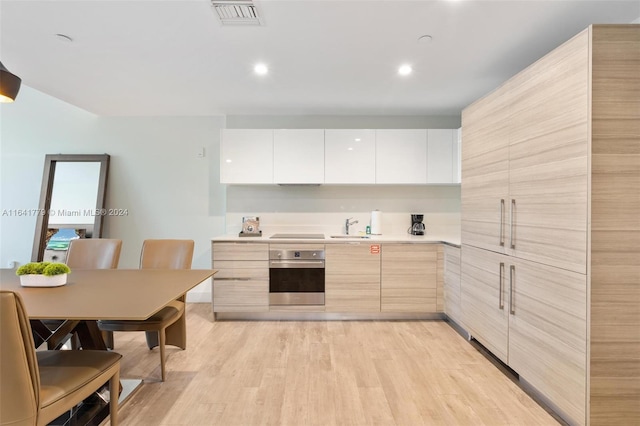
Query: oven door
[[296, 282]]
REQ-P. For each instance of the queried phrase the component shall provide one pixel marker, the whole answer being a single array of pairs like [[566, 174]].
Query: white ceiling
[[150, 57]]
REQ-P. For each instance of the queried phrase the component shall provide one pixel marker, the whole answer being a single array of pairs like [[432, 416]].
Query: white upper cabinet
[[246, 156], [441, 156], [340, 156], [401, 156], [298, 156], [350, 156]]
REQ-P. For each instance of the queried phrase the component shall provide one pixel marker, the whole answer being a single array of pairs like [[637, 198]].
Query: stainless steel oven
[[296, 277]]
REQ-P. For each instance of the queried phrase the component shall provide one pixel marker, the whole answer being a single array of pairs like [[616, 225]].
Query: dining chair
[[94, 253], [83, 253], [168, 326], [36, 387]]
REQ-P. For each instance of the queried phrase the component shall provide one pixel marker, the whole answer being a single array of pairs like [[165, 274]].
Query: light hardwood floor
[[321, 373]]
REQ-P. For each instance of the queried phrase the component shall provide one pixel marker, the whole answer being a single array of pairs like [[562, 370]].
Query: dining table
[[103, 294]]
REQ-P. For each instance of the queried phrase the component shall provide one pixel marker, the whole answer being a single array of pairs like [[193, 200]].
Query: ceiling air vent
[[236, 12]]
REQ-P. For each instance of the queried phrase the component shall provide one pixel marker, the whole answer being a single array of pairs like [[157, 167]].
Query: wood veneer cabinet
[[570, 225], [352, 278], [533, 318], [440, 279], [451, 283], [409, 278], [242, 281], [485, 171], [547, 332], [525, 167], [482, 299]]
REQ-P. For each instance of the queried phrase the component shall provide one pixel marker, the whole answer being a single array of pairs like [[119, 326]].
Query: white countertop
[[396, 238]]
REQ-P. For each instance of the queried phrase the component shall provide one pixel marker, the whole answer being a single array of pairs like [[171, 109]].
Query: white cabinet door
[[350, 156], [298, 156], [441, 155], [401, 156], [246, 156]]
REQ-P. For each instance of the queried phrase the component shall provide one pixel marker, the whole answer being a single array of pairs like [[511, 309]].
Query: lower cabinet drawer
[[239, 295], [258, 270]]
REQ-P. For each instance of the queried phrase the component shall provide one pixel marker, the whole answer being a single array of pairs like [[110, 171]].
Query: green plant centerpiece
[[43, 274]]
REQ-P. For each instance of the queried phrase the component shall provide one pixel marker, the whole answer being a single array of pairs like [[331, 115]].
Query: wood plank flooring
[[320, 373]]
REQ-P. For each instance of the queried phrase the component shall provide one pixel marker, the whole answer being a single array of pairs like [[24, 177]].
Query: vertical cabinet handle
[[512, 272], [512, 242], [501, 296], [502, 222]]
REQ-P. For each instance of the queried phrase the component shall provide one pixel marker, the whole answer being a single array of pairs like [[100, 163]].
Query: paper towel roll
[[376, 222]]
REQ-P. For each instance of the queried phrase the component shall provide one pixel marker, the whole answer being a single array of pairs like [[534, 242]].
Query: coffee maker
[[417, 227]]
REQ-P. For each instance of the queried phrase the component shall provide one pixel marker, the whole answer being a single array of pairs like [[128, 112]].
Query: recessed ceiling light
[[425, 39], [350, 149], [63, 37], [357, 139], [405, 69], [260, 69]]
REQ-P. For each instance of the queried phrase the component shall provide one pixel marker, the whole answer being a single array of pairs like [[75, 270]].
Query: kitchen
[[191, 203]]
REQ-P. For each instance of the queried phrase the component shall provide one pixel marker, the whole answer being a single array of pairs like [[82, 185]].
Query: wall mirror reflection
[[72, 202]]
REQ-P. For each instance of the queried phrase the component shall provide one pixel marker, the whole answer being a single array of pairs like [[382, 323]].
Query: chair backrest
[[94, 253], [19, 376], [166, 254]]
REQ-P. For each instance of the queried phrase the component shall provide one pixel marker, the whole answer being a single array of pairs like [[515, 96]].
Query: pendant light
[[9, 85]]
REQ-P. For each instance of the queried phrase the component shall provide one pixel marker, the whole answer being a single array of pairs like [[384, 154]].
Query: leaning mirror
[[72, 200]]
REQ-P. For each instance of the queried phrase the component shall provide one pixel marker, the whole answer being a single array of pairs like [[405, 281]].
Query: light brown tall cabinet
[[550, 258]]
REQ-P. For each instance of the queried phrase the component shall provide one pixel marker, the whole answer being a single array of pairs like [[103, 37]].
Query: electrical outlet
[[12, 264]]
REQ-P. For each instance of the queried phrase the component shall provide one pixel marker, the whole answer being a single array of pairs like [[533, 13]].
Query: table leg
[[53, 333], [90, 335], [41, 333]]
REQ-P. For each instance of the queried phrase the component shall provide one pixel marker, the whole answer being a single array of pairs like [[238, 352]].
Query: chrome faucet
[[347, 224]]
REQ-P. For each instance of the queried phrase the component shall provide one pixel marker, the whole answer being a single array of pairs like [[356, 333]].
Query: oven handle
[[298, 264]]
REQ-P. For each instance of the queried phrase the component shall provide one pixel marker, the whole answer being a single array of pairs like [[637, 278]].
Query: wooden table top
[[106, 294]]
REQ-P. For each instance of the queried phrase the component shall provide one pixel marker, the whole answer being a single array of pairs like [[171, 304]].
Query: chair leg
[[114, 391], [161, 335]]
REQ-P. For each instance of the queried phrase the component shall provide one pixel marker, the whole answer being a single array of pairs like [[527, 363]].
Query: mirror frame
[[42, 222]]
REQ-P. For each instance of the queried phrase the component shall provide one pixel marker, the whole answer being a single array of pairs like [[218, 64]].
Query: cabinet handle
[[502, 222], [512, 242], [500, 297], [512, 272], [231, 279]]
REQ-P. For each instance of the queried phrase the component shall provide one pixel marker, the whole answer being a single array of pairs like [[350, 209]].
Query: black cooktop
[[298, 236]]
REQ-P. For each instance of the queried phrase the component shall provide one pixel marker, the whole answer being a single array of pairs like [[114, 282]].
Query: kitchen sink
[[359, 237]]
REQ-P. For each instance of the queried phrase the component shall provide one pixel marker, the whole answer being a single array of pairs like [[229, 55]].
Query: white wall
[[34, 125], [155, 174]]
